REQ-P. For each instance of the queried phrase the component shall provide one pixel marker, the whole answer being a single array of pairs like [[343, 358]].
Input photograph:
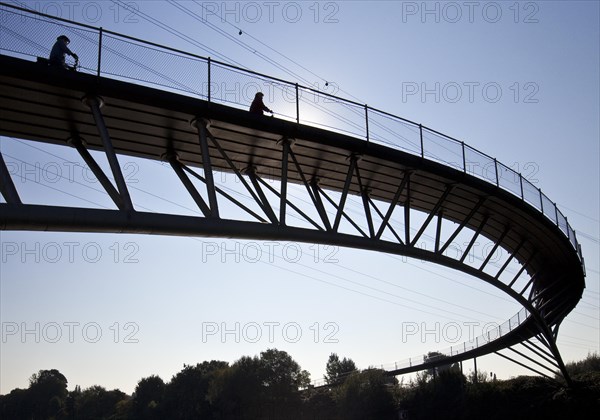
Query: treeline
[[273, 386]]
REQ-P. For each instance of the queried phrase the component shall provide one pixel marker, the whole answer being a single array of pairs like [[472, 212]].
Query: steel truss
[[374, 230]]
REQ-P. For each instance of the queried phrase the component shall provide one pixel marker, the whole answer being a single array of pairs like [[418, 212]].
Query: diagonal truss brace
[[264, 202], [340, 208], [432, 213], [185, 180], [7, 187], [224, 194], [95, 103], [239, 175], [97, 171], [393, 204], [202, 127]]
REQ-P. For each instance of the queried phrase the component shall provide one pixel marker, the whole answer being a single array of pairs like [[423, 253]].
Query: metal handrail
[[367, 114]]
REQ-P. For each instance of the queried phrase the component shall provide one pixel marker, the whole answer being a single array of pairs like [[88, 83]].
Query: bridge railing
[[26, 33], [463, 347], [472, 343]]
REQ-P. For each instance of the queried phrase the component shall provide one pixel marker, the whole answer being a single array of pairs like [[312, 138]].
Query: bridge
[[193, 115]]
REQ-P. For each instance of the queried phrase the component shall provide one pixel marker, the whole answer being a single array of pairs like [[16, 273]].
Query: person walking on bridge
[[60, 50], [258, 106]]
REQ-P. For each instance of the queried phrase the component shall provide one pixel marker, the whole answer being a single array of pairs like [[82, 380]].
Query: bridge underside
[[199, 138]]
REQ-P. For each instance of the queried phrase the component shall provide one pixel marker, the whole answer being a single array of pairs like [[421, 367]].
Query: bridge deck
[[45, 104]]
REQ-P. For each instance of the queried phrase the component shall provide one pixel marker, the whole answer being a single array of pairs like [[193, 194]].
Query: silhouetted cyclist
[[59, 51], [258, 106]]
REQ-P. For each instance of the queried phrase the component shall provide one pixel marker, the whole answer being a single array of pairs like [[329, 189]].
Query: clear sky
[[517, 80]]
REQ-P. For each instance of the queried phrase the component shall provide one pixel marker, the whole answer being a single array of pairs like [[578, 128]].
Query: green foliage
[[590, 364], [367, 395], [96, 402], [148, 395], [273, 386], [185, 396], [338, 370]]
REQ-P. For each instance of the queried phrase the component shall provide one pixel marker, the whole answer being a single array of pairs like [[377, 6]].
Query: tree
[[237, 391], [281, 372], [96, 402], [259, 387], [367, 395], [338, 370], [47, 393], [148, 396], [435, 356], [15, 405], [186, 396]]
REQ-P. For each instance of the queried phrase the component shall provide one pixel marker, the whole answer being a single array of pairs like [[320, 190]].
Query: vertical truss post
[[95, 103], [365, 197], [286, 143], [7, 187], [338, 216], [202, 127], [407, 214], [364, 192], [438, 230]]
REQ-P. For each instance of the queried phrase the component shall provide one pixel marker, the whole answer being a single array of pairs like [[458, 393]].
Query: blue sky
[[516, 80]]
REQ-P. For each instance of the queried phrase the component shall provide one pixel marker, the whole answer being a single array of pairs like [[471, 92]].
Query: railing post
[[421, 135], [367, 120], [99, 50], [497, 176], [521, 182], [464, 153], [297, 105], [208, 79], [541, 200], [558, 224]]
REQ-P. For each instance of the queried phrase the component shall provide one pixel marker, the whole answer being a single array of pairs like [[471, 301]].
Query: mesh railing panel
[[480, 165], [130, 60], [331, 114], [441, 149], [549, 208], [394, 132], [237, 88], [509, 179], [531, 194], [562, 222], [33, 36]]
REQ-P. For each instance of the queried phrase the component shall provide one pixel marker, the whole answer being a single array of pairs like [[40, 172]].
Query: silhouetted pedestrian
[[258, 106], [60, 50]]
